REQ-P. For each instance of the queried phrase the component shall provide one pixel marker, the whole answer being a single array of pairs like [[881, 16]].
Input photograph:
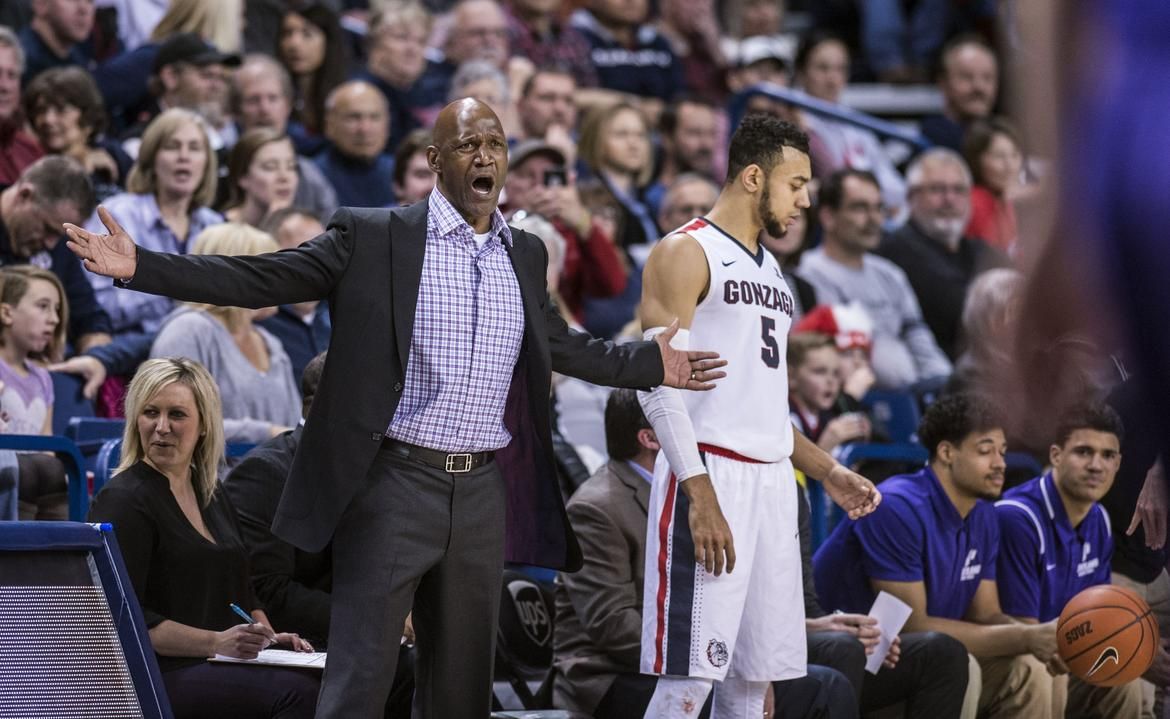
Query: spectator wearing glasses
[[931, 248], [396, 46], [479, 31]]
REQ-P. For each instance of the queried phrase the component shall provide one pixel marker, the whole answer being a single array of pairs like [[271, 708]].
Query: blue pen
[[243, 615]]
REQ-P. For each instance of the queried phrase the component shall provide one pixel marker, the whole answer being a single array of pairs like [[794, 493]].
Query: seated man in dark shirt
[[294, 585]]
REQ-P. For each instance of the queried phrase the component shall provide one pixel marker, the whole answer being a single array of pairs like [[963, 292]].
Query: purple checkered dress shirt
[[468, 327]]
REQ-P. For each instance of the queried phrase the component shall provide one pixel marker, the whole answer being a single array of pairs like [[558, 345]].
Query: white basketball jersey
[[745, 317]]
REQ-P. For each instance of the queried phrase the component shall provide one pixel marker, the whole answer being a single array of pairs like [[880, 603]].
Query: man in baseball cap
[[188, 72]]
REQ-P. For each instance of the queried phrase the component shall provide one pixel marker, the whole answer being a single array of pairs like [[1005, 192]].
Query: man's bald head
[[463, 110], [470, 158], [357, 120]]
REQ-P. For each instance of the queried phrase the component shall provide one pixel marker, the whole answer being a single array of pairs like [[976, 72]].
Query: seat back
[[895, 414], [524, 639]]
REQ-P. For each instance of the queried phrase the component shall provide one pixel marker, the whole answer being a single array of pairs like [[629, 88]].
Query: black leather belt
[[455, 463]]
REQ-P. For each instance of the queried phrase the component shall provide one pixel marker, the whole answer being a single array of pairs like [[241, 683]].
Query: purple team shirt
[[468, 327], [1043, 560], [915, 535]]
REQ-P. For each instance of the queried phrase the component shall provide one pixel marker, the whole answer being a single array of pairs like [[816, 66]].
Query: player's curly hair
[[760, 140], [1089, 415], [955, 417]]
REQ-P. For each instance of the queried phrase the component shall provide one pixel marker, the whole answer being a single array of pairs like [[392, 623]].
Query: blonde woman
[[166, 203], [250, 365], [180, 540]]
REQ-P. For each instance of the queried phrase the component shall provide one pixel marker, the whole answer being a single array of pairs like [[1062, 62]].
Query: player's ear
[[752, 178], [945, 452], [1054, 454]]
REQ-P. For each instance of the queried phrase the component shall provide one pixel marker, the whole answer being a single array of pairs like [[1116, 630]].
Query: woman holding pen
[[181, 544]]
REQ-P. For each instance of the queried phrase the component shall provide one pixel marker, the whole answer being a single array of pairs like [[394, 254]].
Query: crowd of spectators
[[225, 127]]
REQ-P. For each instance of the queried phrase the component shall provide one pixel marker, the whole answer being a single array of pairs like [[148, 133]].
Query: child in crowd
[[33, 318], [814, 393]]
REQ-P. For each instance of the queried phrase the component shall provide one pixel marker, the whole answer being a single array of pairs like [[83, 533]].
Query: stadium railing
[[66, 451]]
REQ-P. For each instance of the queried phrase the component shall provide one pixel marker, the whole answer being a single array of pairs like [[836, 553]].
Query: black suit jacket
[[368, 264], [292, 585]]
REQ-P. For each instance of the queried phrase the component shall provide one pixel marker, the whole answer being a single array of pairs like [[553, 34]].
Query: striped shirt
[[468, 326]]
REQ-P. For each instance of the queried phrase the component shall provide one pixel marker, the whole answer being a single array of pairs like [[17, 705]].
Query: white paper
[[891, 614], [279, 658]]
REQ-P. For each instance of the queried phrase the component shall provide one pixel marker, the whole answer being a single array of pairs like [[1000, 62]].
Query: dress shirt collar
[[446, 220], [642, 472]]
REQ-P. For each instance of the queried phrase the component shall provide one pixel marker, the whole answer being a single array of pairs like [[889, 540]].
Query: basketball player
[[1055, 540], [724, 493], [933, 544]]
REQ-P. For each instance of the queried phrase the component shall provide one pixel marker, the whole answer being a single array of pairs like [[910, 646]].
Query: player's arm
[[1004, 638], [1019, 563], [674, 281], [852, 492]]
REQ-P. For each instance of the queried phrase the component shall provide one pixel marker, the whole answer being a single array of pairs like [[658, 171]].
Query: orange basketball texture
[[1107, 635]]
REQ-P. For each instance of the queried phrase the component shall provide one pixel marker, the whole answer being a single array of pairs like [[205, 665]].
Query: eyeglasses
[[939, 188], [486, 33]]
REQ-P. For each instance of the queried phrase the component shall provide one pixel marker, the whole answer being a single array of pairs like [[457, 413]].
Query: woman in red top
[[992, 150]]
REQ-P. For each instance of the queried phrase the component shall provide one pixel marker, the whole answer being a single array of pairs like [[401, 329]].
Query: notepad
[[891, 614], [279, 658]]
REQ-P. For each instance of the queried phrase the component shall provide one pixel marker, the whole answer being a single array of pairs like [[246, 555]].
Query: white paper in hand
[[891, 614]]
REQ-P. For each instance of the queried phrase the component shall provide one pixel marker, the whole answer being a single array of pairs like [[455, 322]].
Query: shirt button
[[397, 386]]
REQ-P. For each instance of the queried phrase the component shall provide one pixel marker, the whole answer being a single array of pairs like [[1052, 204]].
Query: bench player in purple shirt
[[1055, 540], [933, 544]]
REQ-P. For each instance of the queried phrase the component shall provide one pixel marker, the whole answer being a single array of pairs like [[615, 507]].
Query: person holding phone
[[539, 183]]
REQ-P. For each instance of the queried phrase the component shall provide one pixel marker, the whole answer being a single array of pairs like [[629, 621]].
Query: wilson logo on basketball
[[1078, 632], [1108, 654]]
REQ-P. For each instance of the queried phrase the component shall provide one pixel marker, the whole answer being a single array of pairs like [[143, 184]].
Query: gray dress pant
[[419, 537]]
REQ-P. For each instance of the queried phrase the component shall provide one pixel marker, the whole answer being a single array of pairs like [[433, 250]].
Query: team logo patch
[[716, 653]]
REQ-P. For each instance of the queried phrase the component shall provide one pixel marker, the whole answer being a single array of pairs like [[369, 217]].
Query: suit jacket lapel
[[408, 242], [639, 486], [531, 295]]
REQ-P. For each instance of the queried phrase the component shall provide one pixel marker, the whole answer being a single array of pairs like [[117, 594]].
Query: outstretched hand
[[694, 370], [852, 492], [113, 255]]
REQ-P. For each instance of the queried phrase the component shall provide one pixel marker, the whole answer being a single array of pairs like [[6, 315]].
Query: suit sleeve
[[253, 487], [1020, 564], [302, 274], [578, 354], [602, 591]]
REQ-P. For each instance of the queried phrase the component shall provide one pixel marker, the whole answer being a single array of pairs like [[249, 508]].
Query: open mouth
[[483, 185]]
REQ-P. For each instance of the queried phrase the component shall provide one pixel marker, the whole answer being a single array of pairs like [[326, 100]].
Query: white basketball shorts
[[748, 623]]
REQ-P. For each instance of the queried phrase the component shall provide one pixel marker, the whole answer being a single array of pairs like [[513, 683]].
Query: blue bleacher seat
[[66, 451], [68, 402], [895, 414], [823, 514], [111, 453]]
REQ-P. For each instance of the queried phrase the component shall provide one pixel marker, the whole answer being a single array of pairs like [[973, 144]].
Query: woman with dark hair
[[992, 151], [312, 48], [262, 176], [67, 114]]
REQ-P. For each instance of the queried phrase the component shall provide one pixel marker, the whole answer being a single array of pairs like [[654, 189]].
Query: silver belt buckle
[[459, 463]]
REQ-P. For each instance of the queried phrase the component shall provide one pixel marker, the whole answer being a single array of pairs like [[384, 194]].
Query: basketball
[[1107, 635]]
